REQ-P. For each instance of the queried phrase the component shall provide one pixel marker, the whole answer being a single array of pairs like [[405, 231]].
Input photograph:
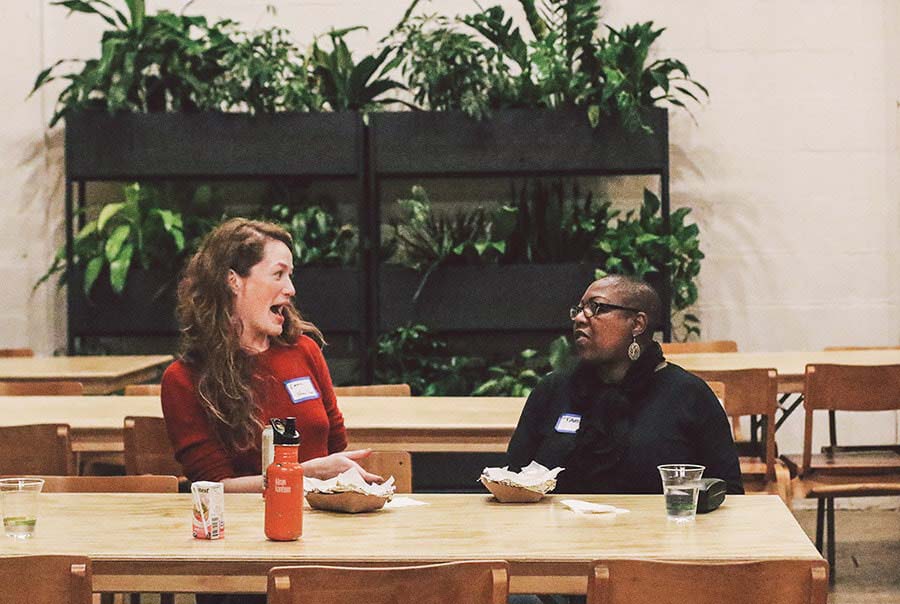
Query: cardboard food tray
[[349, 502], [510, 494]]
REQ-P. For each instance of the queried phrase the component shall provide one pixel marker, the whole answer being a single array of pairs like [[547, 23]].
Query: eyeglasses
[[593, 307]]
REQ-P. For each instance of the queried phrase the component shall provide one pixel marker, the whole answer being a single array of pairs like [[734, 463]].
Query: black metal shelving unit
[[512, 143], [211, 147]]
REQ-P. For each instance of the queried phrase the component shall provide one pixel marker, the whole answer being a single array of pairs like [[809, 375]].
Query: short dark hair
[[640, 294]]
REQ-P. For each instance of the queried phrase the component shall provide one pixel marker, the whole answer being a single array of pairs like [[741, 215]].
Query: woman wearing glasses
[[622, 410]]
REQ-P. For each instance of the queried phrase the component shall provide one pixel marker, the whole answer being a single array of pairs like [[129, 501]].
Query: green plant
[[135, 231], [169, 62], [639, 246], [558, 61], [413, 355], [630, 84], [426, 239], [319, 240], [265, 72], [553, 227], [447, 69], [346, 85], [519, 376]]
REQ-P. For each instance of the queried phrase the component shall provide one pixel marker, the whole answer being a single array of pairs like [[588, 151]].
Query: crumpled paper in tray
[[529, 485]]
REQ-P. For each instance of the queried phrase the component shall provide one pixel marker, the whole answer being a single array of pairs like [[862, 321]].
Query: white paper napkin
[[586, 507], [403, 502]]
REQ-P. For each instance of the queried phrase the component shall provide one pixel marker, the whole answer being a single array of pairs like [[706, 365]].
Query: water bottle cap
[[284, 431]]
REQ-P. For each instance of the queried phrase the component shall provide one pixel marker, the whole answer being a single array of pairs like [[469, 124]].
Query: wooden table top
[[140, 542], [432, 424], [80, 412], [791, 366], [99, 374]]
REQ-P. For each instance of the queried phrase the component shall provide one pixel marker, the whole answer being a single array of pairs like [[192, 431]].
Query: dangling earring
[[634, 349]]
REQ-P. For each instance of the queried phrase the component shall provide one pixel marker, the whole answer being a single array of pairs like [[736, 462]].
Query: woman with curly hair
[[247, 356]]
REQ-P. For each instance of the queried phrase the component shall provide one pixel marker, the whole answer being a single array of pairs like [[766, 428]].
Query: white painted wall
[[792, 167]]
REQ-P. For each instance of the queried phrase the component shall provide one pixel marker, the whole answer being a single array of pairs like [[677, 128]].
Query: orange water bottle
[[284, 484]]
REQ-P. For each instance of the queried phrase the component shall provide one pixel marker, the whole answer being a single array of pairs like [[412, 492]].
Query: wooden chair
[[36, 449], [143, 390], [391, 463], [45, 580], [470, 582], [148, 449], [868, 471], [656, 582], [754, 392], [16, 352], [41, 388], [108, 484], [373, 390], [707, 346]]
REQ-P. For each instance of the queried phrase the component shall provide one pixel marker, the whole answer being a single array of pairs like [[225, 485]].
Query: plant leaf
[[118, 268], [107, 213]]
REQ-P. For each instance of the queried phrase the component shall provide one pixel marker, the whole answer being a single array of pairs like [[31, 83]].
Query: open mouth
[[579, 335], [278, 311]]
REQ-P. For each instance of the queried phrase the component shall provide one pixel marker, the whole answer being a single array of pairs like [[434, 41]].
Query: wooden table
[[96, 422], [99, 374], [791, 366], [140, 542], [432, 424]]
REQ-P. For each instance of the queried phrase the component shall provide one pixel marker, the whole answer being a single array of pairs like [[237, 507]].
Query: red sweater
[[293, 381]]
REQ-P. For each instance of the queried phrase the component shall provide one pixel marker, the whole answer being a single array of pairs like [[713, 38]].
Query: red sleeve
[[197, 448], [337, 435]]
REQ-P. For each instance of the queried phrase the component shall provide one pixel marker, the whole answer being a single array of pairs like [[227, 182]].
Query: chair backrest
[[772, 582], [391, 463], [718, 389], [45, 580], [707, 346], [109, 484], [143, 390], [41, 388], [847, 388], [839, 348], [36, 449], [374, 390], [751, 392], [482, 582], [16, 352], [148, 449], [852, 387]]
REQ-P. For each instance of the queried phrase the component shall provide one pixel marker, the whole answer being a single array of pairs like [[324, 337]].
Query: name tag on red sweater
[[301, 389]]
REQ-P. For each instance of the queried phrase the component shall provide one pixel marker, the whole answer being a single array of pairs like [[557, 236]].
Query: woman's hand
[[327, 467]]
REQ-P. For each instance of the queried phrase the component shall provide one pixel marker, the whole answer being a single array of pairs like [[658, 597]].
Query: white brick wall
[[792, 168]]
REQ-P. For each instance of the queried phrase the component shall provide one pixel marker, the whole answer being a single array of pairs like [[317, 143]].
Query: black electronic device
[[711, 495]]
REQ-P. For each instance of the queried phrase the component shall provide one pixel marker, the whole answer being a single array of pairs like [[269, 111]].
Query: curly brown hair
[[210, 333]]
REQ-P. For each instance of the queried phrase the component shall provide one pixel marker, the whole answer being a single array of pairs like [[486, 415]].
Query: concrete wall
[[791, 168]]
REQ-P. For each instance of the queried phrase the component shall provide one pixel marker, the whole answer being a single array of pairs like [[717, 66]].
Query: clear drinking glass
[[681, 484], [20, 502]]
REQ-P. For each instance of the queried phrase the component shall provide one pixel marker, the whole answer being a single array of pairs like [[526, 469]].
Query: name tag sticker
[[301, 389], [568, 423]]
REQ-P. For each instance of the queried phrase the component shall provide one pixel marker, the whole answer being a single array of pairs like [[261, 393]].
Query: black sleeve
[[527, 437], [714, 441]]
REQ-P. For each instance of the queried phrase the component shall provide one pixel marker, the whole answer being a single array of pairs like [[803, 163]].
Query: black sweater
[[679, 421]]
